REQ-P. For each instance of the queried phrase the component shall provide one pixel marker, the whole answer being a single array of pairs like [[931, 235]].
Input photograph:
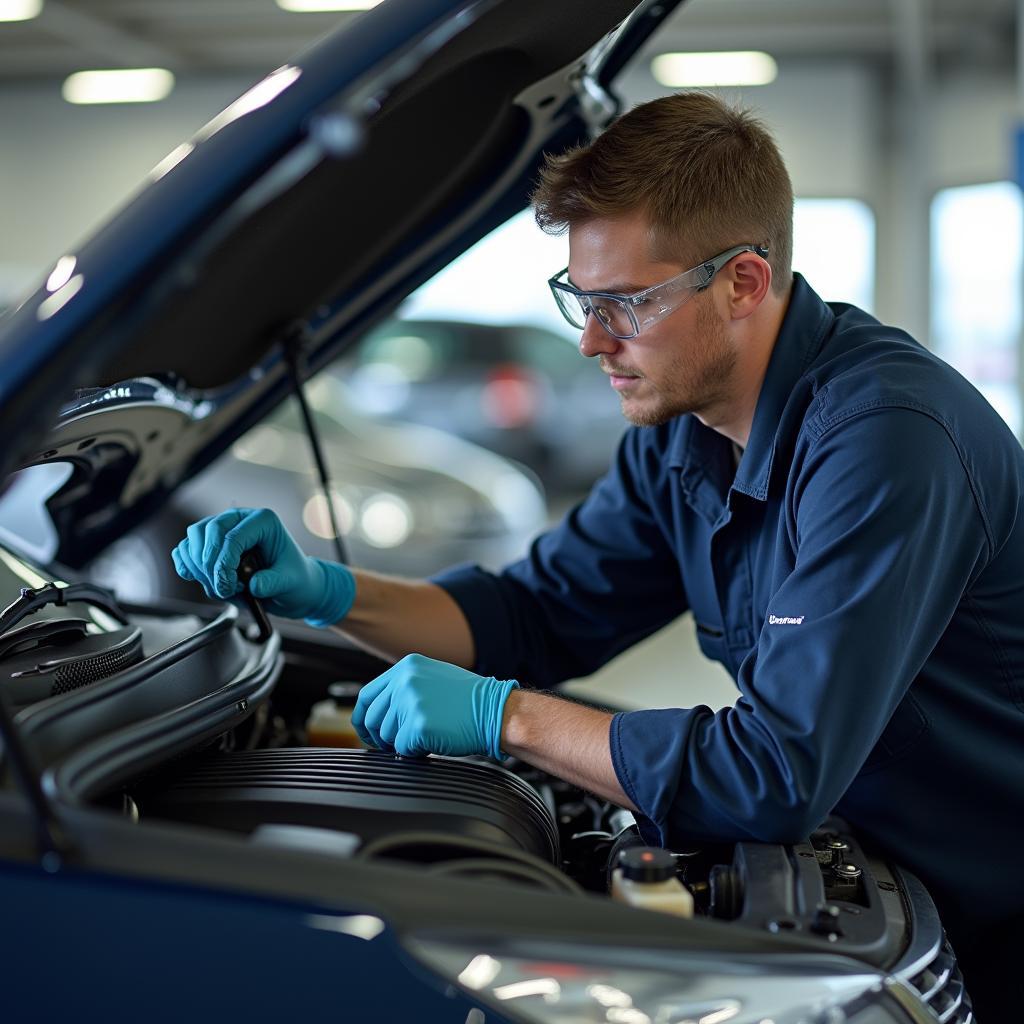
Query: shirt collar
[[800, 338]]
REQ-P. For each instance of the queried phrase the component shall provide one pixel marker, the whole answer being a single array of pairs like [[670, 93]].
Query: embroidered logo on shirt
[[785, 620]]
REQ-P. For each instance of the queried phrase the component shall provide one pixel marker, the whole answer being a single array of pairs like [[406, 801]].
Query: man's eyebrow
[[619, 288]]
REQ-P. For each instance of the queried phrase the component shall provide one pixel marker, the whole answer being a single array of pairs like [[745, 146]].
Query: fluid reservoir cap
[[647, 864]]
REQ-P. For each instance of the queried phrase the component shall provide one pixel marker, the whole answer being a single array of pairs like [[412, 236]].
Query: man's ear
[[750, 279]]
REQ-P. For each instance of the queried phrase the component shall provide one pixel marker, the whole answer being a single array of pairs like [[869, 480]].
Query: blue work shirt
[[861, 576]]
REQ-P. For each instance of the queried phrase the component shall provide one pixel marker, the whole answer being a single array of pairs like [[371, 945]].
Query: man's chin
[[646, 414], [651, 413]]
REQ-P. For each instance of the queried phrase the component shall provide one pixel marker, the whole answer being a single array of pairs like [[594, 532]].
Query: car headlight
[[565, 985]]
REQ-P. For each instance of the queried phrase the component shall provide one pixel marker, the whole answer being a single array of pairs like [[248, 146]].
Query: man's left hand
[[421, 706]]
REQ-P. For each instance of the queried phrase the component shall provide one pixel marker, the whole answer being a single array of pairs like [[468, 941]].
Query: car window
[[421, 351], [411, 351], [553, 353]]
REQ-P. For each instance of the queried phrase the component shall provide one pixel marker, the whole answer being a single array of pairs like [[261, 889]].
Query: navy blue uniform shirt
[[860, 575]]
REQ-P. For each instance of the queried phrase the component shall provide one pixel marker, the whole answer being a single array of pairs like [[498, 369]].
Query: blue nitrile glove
[[422, 706], [291, 584]]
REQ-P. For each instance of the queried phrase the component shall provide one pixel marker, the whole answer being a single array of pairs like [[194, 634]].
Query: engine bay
[[470, 818], [206, 726]]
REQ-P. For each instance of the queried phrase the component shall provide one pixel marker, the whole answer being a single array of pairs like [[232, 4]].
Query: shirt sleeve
[[603, 579], [887, 535]]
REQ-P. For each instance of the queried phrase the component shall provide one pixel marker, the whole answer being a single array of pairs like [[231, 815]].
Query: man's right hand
[[290, 583]]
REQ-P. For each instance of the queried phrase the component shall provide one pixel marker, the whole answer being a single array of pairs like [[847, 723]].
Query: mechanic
[[839, 509]]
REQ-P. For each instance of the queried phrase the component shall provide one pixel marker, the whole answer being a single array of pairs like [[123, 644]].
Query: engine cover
[[51, 656], [368, 793]]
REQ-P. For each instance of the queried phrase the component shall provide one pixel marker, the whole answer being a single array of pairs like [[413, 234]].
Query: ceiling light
[[133, 85], [20, 10], [318, 6], [692, 70]]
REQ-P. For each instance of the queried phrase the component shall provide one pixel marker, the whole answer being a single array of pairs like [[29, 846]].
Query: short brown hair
[[707, 176]]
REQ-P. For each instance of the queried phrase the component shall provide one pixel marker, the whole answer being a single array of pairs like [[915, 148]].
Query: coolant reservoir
[[330, 721], [645, 877]]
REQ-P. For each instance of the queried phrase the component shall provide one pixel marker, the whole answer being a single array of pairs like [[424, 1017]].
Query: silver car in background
[[519, 389]]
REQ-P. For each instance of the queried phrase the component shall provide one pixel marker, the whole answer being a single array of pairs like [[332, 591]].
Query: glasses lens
[[613, 314], [614, 317], [570, 306]]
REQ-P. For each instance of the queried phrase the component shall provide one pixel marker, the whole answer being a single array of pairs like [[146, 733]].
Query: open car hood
[[298, 217]]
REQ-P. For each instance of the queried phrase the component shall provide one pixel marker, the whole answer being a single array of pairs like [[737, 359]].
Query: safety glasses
[[625, 316]]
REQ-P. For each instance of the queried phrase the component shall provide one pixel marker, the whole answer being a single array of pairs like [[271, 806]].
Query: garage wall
[[974, 120], [835, 124], [823, 118], [63, 169]]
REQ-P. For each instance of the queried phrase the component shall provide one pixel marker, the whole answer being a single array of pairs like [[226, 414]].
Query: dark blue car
[[171, 848]]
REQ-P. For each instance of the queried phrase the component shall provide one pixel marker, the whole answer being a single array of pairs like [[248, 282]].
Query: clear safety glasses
[[625, 316]]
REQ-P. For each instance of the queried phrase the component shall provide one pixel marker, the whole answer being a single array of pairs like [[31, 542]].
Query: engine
[[173, 717], [424, 807]]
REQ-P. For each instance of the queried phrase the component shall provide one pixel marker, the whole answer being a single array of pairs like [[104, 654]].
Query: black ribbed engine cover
[[365, 792]]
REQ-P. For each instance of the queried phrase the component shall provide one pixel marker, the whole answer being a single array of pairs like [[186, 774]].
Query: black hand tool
[[250, 564]]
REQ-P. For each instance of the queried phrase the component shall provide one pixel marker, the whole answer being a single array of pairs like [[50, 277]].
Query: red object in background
[[558, 969], [511, 397]]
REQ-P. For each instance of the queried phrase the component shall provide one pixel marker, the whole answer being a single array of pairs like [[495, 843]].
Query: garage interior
[[899, 119]]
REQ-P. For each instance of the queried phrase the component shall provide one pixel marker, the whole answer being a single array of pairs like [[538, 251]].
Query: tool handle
[[250, 564]]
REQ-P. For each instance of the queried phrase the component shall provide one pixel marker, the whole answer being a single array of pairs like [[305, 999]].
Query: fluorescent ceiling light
[[317, 6], [20, 10], [691, 70], [132, 85]]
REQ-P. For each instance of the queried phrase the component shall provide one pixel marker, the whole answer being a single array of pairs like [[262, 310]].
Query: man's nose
[[595, 340]]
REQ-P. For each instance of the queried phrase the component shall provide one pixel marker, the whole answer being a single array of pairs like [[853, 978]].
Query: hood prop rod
[[293, 346]]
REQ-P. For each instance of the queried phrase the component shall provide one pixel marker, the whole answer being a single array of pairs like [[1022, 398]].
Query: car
[[407, 498], [514, 388], [170, 845]]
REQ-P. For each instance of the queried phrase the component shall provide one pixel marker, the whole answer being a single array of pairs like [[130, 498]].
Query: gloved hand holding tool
[[291, 583], [418, 706], [422, 706]]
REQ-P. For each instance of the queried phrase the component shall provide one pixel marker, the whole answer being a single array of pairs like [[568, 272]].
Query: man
[[838, 508]]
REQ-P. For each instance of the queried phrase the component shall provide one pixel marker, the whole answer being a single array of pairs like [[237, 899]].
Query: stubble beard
[[697, 380]]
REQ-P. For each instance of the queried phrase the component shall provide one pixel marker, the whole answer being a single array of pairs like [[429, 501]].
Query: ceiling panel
[[205, 36]]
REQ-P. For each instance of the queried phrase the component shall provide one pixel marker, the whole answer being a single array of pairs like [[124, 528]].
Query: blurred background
[[463, 425]]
